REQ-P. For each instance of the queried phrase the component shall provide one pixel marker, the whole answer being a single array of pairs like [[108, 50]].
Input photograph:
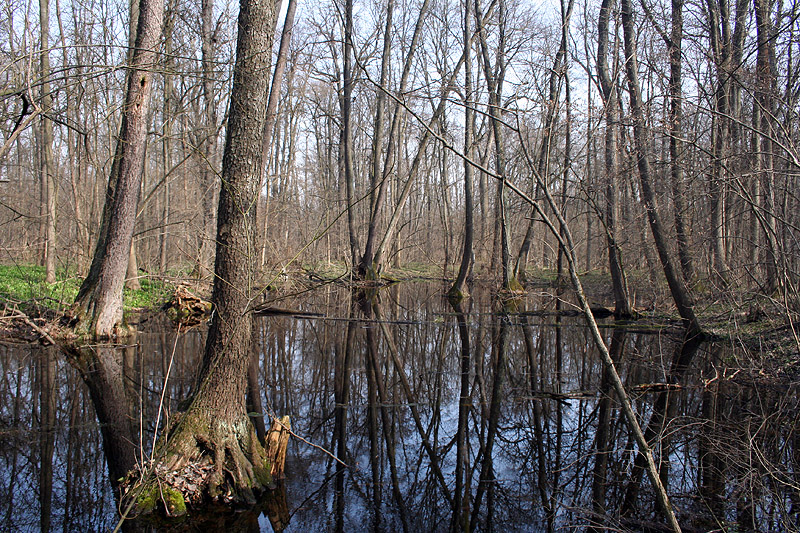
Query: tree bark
[[494, 85], [347, 133], [764, 98], [608, 87], [208, 142], [675, 48], [46, 150], [370, 259], [680, 292], [363, 267], [459, 289], [215, 429], [98, 306]]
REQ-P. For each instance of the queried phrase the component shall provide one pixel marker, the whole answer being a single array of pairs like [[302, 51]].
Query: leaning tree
[[98, 306]]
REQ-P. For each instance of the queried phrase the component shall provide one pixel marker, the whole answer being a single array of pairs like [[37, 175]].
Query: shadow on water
[[418, 415]]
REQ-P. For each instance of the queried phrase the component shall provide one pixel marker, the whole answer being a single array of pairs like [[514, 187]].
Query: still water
[[417, 416]]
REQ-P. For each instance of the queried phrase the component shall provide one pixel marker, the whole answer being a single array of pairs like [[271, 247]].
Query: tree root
[[204, 460]]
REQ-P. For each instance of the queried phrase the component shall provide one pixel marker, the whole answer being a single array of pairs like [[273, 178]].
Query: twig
[[22, 316], [164, 391]]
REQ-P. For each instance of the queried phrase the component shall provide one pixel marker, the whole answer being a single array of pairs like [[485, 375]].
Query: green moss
[[151, 495], [514, 285], [455, 295], [173, 501], [146, 501], [263, 475]]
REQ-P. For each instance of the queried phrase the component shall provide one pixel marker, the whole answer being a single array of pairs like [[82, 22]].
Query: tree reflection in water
[[434, 418]]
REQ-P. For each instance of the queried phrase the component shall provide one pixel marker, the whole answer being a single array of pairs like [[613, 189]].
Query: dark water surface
[[444, 417]]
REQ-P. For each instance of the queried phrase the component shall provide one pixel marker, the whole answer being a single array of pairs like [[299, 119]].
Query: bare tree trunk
[[680, 292], [272, 115], [459, 289], [208, 142], [557, 74], [48, 179], [347, 133], [447, 86], [216, 424], [765, 89], [132, 272], [363, 267], [676, 138], [494, 84], [611, 111], [98, 306], [368, 259], [725, 48], [167, 112]]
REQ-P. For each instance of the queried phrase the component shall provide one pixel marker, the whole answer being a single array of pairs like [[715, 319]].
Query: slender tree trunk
[[98, 306], [494, 83], [676, 138], [208, 142], [48, 179], [447, 87], [459, 289], [363, 267], [680, 292], [368, 259], [765, 88], [557, 74], [270, 135], [167, 118], [347, 133], [414, 168], [611, 112], [132, 272]]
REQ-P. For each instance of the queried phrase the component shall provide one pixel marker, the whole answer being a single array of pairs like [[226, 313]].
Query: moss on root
[[173, 502], [156, 496], [204, 461]]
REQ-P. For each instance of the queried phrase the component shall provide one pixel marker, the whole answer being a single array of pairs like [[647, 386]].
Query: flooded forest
[[356, 265]]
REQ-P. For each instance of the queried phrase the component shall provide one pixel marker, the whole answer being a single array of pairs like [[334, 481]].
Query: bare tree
[[98, 306], [681, 294], [47, 171], [458, 289], [216, 420]]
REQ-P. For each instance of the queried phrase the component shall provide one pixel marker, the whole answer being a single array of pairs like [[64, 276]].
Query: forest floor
[[30, 307]]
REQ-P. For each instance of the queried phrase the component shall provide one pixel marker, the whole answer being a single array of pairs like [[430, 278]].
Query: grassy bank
[[24, 285]]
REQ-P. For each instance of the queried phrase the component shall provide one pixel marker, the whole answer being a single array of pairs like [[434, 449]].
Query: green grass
[[152, 294], [25, 284]]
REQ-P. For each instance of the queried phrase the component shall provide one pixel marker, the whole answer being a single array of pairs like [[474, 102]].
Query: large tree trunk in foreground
[[98, 305], [215, 436]]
